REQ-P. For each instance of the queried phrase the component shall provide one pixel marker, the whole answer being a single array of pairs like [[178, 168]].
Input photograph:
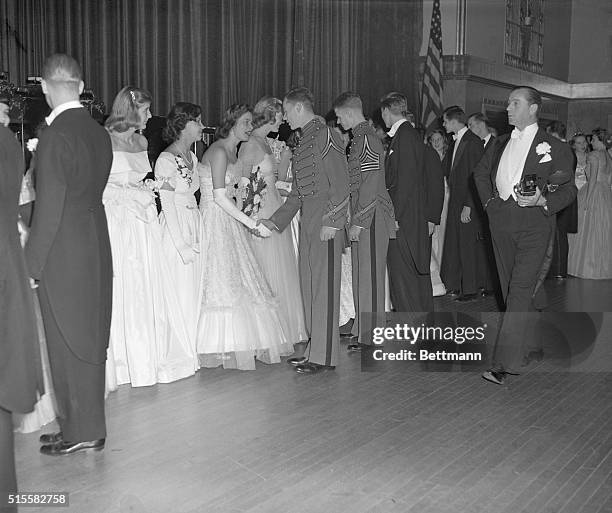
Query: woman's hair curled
[[230, 116], [124, 112], [265, 111], [180, 114]]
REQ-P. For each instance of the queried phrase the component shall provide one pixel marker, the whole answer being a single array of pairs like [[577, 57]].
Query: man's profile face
[[520, 113], [344, 118], [291, 114], [386, 116]]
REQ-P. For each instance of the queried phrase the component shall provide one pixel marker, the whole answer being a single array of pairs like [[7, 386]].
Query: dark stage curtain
[[217, 52]]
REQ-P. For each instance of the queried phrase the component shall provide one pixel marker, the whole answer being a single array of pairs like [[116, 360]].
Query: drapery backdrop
[[217, 52]]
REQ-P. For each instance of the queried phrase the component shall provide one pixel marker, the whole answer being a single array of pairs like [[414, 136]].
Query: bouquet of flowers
[[254, 193]]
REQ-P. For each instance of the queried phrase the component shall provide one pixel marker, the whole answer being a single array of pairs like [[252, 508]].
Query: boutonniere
[[544, 149], [32, 144]]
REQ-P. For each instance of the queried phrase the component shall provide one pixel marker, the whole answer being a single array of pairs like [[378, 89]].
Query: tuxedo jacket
[[406, 183], [460, 181], [20, 371], [69, 249], [557, 170]]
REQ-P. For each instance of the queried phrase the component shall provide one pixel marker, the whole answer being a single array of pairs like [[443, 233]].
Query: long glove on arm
[[228, 206], [169, 208]]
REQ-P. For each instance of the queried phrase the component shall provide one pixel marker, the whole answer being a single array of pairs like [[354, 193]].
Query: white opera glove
[[230, 208], [186, 251]]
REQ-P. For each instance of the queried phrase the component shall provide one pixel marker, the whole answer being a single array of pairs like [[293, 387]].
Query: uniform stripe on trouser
[[330, 301], [373, 283]]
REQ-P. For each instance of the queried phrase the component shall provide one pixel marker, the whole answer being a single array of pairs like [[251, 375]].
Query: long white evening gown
[[277, 258], [240, 319], [187, 277], [148, 341]]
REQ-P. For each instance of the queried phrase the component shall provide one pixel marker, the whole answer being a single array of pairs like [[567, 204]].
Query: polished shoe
[[62, 448], [51, 438], [497, 377], [560, 277], [485, 293], [354, 347], [297, 360], [465, 298], [453, 293], [312, 368]]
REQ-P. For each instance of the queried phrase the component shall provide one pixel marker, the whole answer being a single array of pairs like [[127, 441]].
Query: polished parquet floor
[[402, 440]]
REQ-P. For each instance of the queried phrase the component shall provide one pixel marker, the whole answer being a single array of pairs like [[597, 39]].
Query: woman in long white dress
[[176, 169], [275, 254], [240, 319], [148, 342], [438, 141]]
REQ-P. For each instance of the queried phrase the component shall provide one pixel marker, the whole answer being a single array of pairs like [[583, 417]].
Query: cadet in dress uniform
[[372, 217], [321, 191]]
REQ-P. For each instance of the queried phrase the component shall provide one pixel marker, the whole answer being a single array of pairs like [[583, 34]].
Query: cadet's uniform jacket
[[321, 190]]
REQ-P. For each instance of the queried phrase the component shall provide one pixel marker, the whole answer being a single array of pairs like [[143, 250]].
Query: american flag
[[431, 92]]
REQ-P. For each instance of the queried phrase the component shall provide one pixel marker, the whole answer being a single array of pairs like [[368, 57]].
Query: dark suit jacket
[[559, 169], [20, 372], [69, 249], [405, 179], [434, 185]]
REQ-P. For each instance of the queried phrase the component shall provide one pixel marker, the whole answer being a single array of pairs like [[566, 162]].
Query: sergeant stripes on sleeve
[[330, 143], [369, 159]]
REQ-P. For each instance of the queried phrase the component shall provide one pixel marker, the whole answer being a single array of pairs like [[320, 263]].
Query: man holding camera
[[523, 180]]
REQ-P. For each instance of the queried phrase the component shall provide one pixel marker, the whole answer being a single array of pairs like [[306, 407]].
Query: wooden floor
[[403, 440]]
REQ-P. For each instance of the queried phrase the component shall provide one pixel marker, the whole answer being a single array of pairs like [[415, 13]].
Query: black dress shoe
[[354, 346], [297, 360], [346, 328], [497, 377], [464, 298], [51, 438], [63, 448], [312, 368], [485, 293], [453, 293]]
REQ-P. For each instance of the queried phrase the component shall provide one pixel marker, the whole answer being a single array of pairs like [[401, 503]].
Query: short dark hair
[[180, 114], [301, 95], [479, 116], [396, 102], [532, 96], [556, 127], [124, 112], [454, 112], [348, 99], [265, 111], [230, 116]]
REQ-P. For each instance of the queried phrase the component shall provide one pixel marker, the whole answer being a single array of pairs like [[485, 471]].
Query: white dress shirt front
[[513, 160]]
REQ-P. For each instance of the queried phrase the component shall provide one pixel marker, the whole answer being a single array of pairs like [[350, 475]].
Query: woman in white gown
[[148, 342], [176, 172], [438, 141], [240, 319], [275, 254]]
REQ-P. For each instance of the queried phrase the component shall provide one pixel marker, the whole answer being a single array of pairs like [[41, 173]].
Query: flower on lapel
[[32, 144], [544, 149]]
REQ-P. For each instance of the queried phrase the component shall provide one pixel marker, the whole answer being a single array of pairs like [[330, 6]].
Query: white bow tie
[[516, 134]]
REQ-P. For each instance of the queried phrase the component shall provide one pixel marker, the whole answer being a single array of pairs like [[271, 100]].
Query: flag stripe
[[431, 91]]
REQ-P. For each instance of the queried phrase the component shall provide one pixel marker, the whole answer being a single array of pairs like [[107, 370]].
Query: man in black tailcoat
[[459, 270], [69, 253], [409, 254], [20, 372], [523, 180]]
